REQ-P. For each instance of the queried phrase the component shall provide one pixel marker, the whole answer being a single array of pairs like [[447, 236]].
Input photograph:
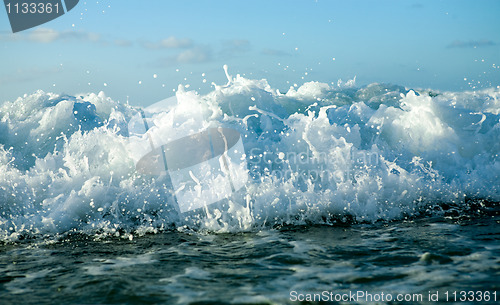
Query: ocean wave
[[315, 154]]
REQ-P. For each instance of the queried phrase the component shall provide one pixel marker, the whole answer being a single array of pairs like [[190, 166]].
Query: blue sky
[[144, 49]]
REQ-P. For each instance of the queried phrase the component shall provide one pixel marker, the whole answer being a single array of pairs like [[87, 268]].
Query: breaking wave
[[316, 154]]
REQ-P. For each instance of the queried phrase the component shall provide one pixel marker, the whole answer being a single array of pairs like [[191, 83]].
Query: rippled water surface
[[260, 267]]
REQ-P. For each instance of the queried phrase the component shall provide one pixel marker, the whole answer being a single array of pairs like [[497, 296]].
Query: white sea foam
[[316, 152]]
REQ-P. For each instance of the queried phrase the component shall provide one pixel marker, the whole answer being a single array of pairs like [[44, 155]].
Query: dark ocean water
[[270, 266]]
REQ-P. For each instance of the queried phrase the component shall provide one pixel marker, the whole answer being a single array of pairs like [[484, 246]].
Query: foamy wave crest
[[316, 154]]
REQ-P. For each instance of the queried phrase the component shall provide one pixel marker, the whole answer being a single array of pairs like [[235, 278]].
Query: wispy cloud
[[235, 46], [194, 55], [123, 43], [42, 35], [46, 35], [272, 52], [471, 44], [417, 5], [169, 43]]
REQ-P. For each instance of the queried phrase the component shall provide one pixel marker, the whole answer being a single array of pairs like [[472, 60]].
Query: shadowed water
[[262, 267]]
